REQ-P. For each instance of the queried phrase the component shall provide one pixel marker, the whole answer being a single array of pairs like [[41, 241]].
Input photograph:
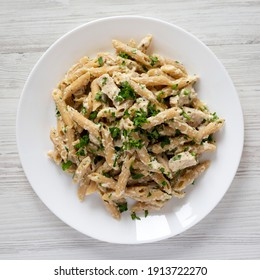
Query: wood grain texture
[[28, 230]]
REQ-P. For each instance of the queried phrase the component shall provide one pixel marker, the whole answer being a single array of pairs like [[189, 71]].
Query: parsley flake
[[153, 59], [126, 92], [137, 176], [93, 115], [134, 217], [115, 132], [83, 141], [104, 81], [66, 165], [100, 61], [177, 157], [175, 86], [165, 141], [122, 207], [124, 55]]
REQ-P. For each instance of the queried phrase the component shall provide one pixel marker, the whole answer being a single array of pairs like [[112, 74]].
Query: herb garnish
[[186, 92], [134, 217], [83, 141], [177, 157], [124, 55], [100, 61], [57, 112], [126, 92], [83, 110], [93, 115], [185, 115], [140, 117], [165, 141], [104, 81], [122, 207], [175, 86], [151, 110], [133, 143], [115, 132], [66, 165], [153, 59], [98, 96], [214, 117], [137, 176]]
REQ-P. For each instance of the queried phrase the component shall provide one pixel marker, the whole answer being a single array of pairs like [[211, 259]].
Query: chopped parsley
[[165, 141], [126, 114], [106, 174], [125, 133], [115, 132], [132, 144], [104, 81], [122, 207], [83, 141], [126, 92], [151, 110], [162, 169], [159, 96], [177, 157], [175, 86], [153, 59], [133, 51], [214, 117], [116, 158], [66, 165], [186, 92], [83, 110], [98, 96], [146, 213], [100, 61], [137, 176], [153, 136], [124, 55], [134, 217], [81, 152], [185, 115], [193, 154], [93, 115], [140, 117], [164, 183], [149, 194], [57, 112]]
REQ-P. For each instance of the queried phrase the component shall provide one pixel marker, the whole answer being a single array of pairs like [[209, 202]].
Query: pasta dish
[[130, 126]]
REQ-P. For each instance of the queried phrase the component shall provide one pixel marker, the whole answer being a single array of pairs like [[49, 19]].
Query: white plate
[[36, 116]]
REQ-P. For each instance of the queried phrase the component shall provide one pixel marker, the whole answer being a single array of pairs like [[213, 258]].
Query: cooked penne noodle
[[82, 81], [144, 43], [84, 122], [102, 180], [161, 117], [190, 175], [107, 142], [123, 176]]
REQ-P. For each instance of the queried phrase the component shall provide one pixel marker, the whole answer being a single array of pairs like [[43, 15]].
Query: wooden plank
[[28, 230]]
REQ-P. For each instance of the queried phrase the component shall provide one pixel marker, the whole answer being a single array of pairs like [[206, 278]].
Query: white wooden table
[[28, 230]]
